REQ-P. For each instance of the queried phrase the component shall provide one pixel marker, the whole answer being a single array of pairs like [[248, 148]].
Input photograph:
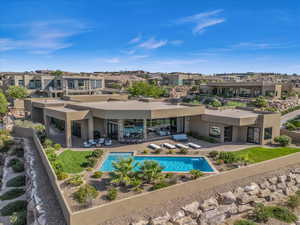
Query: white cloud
[[255, 45], [113, 60], [152, 43], [44, 37], [176, 42], [136, 39], [203, 20]]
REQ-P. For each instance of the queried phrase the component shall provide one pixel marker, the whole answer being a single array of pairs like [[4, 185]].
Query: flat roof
[[131, 105], [231, 113]]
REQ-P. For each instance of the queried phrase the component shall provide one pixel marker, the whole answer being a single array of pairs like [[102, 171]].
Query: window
[[21, 83], [215, 132], [268, 133]]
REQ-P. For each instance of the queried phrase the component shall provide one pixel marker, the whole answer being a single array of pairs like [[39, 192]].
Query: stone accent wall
[[218, 208]]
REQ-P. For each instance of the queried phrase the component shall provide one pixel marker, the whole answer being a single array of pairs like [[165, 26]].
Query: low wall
[[292, 134], [121, 212], [29, 133]]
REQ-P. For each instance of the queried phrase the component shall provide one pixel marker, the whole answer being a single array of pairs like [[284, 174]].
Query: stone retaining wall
[[218, 208], [292, 134]]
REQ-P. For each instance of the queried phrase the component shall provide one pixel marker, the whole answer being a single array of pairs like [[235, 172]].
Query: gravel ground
[[45, 191]]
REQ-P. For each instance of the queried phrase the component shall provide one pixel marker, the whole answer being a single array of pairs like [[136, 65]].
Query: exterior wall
[[100, 125], [37, 115], [270, 120], [292, 134]]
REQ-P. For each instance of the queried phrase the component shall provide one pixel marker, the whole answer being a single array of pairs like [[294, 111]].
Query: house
[[147, 120]]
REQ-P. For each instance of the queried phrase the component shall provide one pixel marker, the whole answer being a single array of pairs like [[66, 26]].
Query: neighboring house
[[47, 85], [121, 81], [150, 120], [244, 89]]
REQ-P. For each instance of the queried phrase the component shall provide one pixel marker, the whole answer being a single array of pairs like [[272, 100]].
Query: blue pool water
[[170, 163]]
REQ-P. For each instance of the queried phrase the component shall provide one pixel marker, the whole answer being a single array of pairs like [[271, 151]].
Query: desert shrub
[[13, 207], [159, 185], [57, 147], [216, 103], [12, 162], [281, 213], [97, 174], [112, 193], [293, 201], [219, 162], [196, 174], [18, 167], [48, 143], [213, 154], [75, 180], [16, 181], [12, 194], [61, 175], [136, 183], [85, 193], [283, 140], [146, 151], [169, 175], [260, 214], [157, 151], [91, 162], [228, 157], [260, 102], [89, 169], [19, 218], [171, 151], [244, 222]]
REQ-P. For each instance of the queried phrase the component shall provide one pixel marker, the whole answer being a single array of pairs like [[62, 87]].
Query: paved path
[[289, 116]]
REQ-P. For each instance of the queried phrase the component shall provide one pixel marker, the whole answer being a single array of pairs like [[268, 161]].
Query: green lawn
[[259, 154], [72, 160]]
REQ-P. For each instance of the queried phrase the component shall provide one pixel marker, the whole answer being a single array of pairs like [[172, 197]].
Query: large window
[[35, 84], [21, 83], [268, 133], [133, 129], [215, 131]]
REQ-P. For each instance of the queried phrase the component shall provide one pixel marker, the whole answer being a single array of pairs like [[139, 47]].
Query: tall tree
[[3, 104], [17, 92]]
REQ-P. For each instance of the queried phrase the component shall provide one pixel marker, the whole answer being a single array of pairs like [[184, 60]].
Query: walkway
[[289, 116]]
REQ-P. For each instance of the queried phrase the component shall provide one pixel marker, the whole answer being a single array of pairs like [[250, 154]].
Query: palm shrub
[[183, 151], [86, 193], [123, 171], [260, 214], [18, 181], [151, 171], [159, 185], [213, 154], [228, 157], [48, 143], [18, 167], [12, 207], [97, 153], [18, 218], [61, 175], [12, 194], [196, 174], [136, 184], [97, 174], [75, 180]]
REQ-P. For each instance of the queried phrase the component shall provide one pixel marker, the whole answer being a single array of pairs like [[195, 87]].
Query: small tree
[[123, 171], [260, 102], [3, 104], [17, 92], [151, 171], [283, 140], [86, 194]]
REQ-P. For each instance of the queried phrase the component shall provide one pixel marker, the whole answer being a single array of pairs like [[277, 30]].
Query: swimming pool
[[170, 163]]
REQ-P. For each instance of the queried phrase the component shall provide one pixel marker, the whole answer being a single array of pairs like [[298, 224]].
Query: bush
[[12, 162], [228, 157], [213, 154], [75, 180], [260, 102], [196, 174], [281, 213], [171, 151], [91, 162], [97, 153], [283, 140], [158, 151], [290, 126], [97, 174], [216, 103], [244, 222], [146, 151], [260, 214], [183, 151], [61, 175], [160, 185], [18, 167], [112, 194], [12, 194], [48, 143], [16, 181], [13, 207], [57, 147], [293, 201], [85, 193], [19, 218]]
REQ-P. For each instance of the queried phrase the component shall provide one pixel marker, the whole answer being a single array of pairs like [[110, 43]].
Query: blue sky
[[155, 35]]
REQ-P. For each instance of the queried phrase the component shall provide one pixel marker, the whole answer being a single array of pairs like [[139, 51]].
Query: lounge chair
[[193, 145], [181, 146], [154, 146], [180, 137], [86, 144], [108, 142], [169, 146]]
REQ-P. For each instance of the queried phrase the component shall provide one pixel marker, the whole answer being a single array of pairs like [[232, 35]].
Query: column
[[222, 134], [91, 128], [47, 125], [120, 130], [145, 128], [84, 130], [68, 133]]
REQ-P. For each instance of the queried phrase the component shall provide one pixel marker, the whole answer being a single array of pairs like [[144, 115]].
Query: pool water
[[170, 163]]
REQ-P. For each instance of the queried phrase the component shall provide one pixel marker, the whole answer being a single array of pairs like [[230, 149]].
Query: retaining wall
[[292, 134]]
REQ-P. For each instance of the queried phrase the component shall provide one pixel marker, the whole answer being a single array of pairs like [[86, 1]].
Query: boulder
[[244, 198], [297, 171], [282, 179], [162, 220], [142, 222], [228, 210], [272, 188], [252, 187], [264, 185], [227, 198], [297, 178], [185, 221], [264, 193], [209, 204], [216, 220], [244, 208], [178, 215], [281, 186], [191, 209], [273, 180]]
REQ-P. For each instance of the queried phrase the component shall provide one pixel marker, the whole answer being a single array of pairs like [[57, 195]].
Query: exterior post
[[91, 128], [68, 133], [47, 125], [145, 128], [120, 130]]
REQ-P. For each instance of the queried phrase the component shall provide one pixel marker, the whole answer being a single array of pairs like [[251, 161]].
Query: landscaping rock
[[244, 208], [178, 215], [142, 222], [227, 198], [252, 187], [244, 198], [162, 220], [191, 209], [228, 210], [264, 185], [209, 204], [273, 180], [185, 221]]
